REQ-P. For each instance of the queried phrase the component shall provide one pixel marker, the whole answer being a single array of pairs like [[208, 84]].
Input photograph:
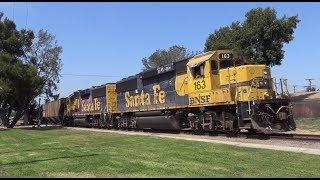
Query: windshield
[[226, 64], [198, 71]]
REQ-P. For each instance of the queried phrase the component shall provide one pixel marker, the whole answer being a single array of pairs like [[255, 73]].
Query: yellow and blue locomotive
[[214, 91]]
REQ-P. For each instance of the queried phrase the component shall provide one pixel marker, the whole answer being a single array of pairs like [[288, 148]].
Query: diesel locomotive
[[214, 91]]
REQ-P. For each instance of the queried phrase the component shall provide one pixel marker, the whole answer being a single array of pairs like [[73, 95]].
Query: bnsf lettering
[[199, 99]]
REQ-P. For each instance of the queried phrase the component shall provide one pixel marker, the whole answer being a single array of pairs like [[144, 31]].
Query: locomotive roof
[[85, 91], [99, 86], [177, 65], [200, 58], [127, 78], [155, 71]]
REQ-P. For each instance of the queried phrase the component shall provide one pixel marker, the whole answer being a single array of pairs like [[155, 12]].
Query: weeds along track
[[247, 135]]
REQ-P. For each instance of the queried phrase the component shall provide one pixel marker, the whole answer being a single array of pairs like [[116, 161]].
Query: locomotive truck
[[214, 91]]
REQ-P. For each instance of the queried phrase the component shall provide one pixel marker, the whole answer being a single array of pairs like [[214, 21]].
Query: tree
[[45, 55], [19, 80], [162, 57], [260, 37]]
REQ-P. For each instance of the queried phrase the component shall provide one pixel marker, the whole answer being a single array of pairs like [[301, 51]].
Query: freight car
[[53, 111], [214, 91]]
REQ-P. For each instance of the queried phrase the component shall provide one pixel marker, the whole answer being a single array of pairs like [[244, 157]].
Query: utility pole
[[285, 84], [275, 86], [294, 88], [310, 84], [281, 86]]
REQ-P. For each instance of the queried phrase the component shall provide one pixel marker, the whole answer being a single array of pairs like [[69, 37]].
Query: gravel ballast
[[274, 144]]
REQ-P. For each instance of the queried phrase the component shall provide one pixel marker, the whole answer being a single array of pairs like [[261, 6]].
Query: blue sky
[[110, 39]]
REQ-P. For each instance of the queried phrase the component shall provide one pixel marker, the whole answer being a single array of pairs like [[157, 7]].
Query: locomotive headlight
[[262, 83], [265, 72]]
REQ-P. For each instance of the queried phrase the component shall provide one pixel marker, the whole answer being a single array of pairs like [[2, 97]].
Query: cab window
[[239, 63], [226, 64], [214, 67], [198, 71]]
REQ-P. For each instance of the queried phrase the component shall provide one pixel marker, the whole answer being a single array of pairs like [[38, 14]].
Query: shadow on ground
[[44, 149], [42, 128], [3, 129], [48, 159], [34, 128]]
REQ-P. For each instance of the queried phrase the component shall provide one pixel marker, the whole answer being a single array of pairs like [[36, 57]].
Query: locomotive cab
[[223, 78], [226, 77], [204, 85]]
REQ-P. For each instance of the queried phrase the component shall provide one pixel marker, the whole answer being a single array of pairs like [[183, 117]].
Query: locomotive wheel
[[102, 123], [252, 131], [133, 124], [198, 128], [69, 122], [233, 132], [99, 123], [119, 124]]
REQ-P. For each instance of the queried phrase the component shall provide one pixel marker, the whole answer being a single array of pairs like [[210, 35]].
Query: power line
[[294, 88], [88, 75], [26, 15], [13, 11], [310, 81]]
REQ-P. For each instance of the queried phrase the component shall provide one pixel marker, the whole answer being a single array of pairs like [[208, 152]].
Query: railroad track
[[291, 136], [260, 136], [299, 137]]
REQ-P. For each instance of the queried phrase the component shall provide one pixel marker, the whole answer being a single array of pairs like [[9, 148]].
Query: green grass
[[309, 124], [72, 153]]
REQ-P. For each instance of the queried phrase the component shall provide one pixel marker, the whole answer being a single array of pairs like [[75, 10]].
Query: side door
[[199, 86]]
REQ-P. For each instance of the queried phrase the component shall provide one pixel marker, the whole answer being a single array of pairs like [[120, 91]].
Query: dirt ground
[[274, 144]]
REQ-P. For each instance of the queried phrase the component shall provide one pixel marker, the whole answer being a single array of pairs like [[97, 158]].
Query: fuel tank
[[158, 122], [81, 122], [148, 113]]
